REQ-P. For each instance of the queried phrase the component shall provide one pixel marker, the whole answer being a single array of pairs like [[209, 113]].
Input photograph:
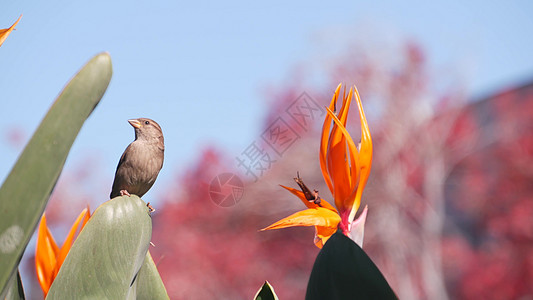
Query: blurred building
[[489, 196]]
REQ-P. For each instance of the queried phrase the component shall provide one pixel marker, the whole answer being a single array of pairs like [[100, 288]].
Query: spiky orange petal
[[309, 204], [65, 248], [325, 138], [343, 117], [45, 255], [346, 203], [337, 165], [5, 32], [346, 101], [301, 196], [310, 217], [365, 156], [86, 218], [48, 256]]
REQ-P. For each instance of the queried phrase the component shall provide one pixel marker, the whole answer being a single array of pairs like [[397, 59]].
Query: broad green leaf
[[266, 292], [105, 259], [149, 283], [15, 290], [26, 190], [342, 270]]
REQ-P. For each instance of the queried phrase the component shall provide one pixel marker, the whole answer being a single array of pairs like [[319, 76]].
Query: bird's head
[[147, 130]]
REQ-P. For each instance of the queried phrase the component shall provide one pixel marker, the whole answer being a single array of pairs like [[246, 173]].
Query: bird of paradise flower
[[345, 167], [48, 256]]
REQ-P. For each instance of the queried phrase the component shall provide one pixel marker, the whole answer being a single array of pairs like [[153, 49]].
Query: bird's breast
[[147, 162]]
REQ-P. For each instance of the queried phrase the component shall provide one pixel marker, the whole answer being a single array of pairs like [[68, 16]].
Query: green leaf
[[15, 290], [107, 255], [149, 283], [266, 292], [342, 270], [26, 190]]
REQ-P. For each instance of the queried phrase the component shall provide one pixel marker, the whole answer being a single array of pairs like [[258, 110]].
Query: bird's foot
[[150, 208], [124, 193]]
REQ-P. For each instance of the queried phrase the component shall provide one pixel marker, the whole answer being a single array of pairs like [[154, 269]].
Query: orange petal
[[343, 117], [324, 139], [309, 204], [310, 217], [5, 32], [322, 234], [339, 169], [337, 164], [346, 101], [345, 201], [365, 156], [45, 256], [366, 144], [301, 196], [68, 241], [325, 204], [86, 218]]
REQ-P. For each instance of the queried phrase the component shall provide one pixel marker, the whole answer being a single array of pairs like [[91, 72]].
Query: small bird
[[142, 160]]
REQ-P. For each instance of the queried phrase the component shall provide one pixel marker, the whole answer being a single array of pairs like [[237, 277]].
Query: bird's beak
[[135, 123]]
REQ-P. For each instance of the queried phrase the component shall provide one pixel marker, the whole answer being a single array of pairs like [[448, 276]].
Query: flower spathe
[[345, 168], [48, 256]]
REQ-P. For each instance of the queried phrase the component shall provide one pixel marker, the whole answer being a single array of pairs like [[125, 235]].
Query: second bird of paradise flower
[[48, 256]]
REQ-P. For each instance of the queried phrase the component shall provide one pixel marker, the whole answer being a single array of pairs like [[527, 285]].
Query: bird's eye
[[146, 122]]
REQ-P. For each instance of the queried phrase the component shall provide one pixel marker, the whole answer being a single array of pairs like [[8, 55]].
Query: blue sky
[[198, 68]]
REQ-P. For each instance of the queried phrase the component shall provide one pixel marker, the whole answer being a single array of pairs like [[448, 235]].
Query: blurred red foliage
[[490, 192]]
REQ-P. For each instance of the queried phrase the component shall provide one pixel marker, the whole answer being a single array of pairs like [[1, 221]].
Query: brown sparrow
[[142, 160]]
